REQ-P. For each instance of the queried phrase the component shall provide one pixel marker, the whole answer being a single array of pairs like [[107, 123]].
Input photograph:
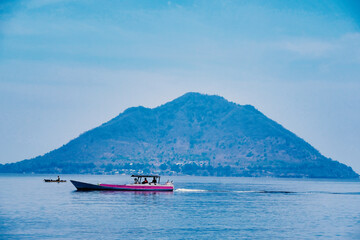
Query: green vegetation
[[194, 135]]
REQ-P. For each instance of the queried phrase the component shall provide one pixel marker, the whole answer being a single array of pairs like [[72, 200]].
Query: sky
[[69, 66]]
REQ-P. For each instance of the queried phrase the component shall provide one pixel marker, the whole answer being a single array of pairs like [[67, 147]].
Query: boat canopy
[[156, 176], [146, 176]]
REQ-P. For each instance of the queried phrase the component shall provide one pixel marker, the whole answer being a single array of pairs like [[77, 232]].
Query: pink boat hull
[[81, 186]]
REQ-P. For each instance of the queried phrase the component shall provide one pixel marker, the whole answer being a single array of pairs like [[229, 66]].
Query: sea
[[199, 208]]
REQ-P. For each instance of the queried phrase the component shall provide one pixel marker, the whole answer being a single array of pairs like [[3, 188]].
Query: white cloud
[[308, 48], [347, 45]]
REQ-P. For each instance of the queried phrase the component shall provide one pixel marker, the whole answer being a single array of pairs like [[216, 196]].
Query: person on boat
[[145, 181], [154, 180], [58, 179], [136, 181]]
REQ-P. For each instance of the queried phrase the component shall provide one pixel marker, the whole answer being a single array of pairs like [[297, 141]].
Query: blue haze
[[66, 67]]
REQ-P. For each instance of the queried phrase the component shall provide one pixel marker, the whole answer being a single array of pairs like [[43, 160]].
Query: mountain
[[193, 134]]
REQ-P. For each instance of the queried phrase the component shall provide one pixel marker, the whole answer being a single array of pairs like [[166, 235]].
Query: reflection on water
[[199, 208]]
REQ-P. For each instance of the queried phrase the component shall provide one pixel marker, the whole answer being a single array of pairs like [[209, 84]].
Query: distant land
[[195, 134]]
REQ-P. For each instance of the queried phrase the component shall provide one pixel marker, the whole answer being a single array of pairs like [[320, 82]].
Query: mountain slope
[[193, 134]]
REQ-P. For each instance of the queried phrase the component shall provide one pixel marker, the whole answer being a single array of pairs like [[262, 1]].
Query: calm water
[[200, 208]]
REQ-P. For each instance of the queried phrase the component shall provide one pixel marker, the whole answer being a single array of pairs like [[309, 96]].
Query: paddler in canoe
[[57, 180]]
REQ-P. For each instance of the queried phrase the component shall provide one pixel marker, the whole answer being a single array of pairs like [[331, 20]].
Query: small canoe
[[50, 180]]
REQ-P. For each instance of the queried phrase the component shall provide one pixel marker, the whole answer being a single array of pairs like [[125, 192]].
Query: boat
[[138, 185], [51, 180]]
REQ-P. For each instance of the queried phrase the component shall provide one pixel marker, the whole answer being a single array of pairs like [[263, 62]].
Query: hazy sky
[[68, 66]]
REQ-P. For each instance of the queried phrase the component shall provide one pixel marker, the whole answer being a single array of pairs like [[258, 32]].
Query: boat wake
[[190, 190], [219, 191], [249, 191], [275, 192], [262, 191]]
